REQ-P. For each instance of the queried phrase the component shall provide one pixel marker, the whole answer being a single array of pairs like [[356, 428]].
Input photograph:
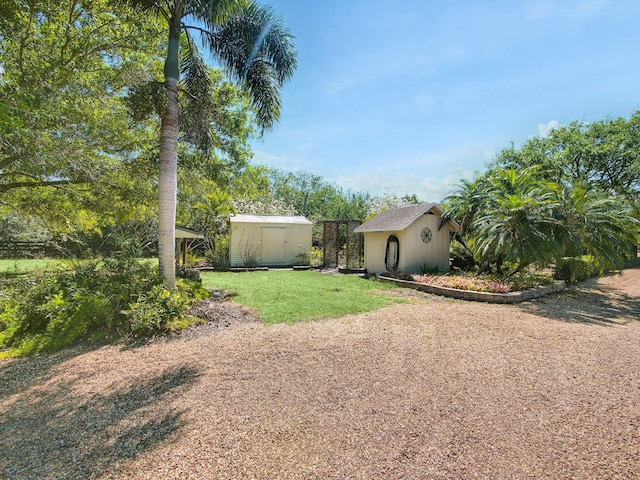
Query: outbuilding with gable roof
[[269, 240], [407, 239]]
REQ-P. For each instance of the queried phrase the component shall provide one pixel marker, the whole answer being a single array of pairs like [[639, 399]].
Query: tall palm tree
[[251, 45]]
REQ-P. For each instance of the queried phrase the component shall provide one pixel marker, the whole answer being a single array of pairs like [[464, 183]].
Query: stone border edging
[[509, 297]]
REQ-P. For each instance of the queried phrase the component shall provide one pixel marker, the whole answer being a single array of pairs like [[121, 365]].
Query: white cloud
[[427, 189], [430, 176], [545, 128], [283, 162]]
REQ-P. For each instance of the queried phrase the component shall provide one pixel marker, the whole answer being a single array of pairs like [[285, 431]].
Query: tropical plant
[[115, 298], [517, 228], [595, 225], [464, 206], [518, 217], [250, 43]]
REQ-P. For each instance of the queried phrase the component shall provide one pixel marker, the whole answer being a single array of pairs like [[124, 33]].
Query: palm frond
[[197, 96], [257, 51]]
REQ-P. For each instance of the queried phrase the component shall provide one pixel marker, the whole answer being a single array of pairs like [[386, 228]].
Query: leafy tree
[[68, 153], [604, 155], [251, 182], [251, 45], [349, 205], [302, 190], [387, 201]]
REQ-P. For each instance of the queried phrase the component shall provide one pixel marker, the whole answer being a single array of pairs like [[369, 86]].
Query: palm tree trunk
[[167, 186], [168, 174], [461, 241]]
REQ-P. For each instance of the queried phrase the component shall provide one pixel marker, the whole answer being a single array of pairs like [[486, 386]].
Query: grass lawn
[[29, 264], [292, 296], [22, 265]]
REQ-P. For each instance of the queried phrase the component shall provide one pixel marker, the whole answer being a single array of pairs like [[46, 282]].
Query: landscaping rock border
[[509, 297]]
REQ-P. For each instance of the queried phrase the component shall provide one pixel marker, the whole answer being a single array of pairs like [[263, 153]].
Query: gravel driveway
[[435, 388]]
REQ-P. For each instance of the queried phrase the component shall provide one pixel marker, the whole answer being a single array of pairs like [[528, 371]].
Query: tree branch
[[43, 183]]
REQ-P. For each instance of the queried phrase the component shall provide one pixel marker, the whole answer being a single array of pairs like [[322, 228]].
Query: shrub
[[117, 298], [427, 270], [316, 257], [153, 310], [218, 253], [577, 269], [302, 259]]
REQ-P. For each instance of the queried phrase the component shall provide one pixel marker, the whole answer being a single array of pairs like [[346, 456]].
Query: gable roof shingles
[[397, 218]]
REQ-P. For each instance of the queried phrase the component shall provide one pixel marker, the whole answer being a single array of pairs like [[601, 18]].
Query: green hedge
[[577, 269]]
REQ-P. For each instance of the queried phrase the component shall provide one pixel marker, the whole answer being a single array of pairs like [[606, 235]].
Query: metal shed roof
[[400, 218], [270, 219], [182, 232]]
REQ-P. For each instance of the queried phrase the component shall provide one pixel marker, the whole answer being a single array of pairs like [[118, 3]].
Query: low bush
[[114, 299], [577, 269], [427, 270], [218, 253], [316, 258]]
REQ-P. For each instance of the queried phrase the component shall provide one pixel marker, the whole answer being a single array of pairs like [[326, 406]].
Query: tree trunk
[[168, 169], [167, 186]]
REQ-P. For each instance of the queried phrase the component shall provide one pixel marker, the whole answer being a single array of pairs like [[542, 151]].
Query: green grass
[[29, 264], [293, 296], [23, 265]]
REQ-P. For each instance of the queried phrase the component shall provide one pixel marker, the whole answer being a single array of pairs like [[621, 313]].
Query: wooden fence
[[27, 250]]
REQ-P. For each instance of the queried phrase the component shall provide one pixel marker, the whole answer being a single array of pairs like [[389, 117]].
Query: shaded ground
[[436, 388]]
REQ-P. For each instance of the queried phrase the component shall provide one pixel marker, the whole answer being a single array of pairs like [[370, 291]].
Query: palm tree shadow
[[19, 374], [50, 433], [589, 303]]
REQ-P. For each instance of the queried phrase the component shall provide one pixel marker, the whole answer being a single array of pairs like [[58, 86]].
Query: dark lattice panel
[[330, 244], [355, 246], [341, 246]]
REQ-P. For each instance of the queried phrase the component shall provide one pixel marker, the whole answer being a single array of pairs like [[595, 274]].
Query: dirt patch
[[219, 312]]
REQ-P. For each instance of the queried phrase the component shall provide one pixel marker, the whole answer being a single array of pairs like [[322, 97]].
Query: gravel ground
[[434, 388]]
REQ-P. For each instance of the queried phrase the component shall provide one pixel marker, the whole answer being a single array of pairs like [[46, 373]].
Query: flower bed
[[474, 288], [474, 284]]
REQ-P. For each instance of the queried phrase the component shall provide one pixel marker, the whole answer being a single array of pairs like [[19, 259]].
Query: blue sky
[[410, 97]]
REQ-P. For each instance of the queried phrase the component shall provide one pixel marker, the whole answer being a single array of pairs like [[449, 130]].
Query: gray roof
[[398, 219], [183, 232], [270, 219]]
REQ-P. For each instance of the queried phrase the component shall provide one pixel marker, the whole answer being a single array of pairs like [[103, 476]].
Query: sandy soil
[[435, 388]]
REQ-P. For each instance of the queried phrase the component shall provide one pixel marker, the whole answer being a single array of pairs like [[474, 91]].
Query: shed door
[[272, 246]]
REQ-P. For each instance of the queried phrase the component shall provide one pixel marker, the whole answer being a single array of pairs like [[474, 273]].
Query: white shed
[[404, 239], [269, 240]]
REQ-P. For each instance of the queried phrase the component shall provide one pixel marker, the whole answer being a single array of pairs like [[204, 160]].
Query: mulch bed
[[433, 388]]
